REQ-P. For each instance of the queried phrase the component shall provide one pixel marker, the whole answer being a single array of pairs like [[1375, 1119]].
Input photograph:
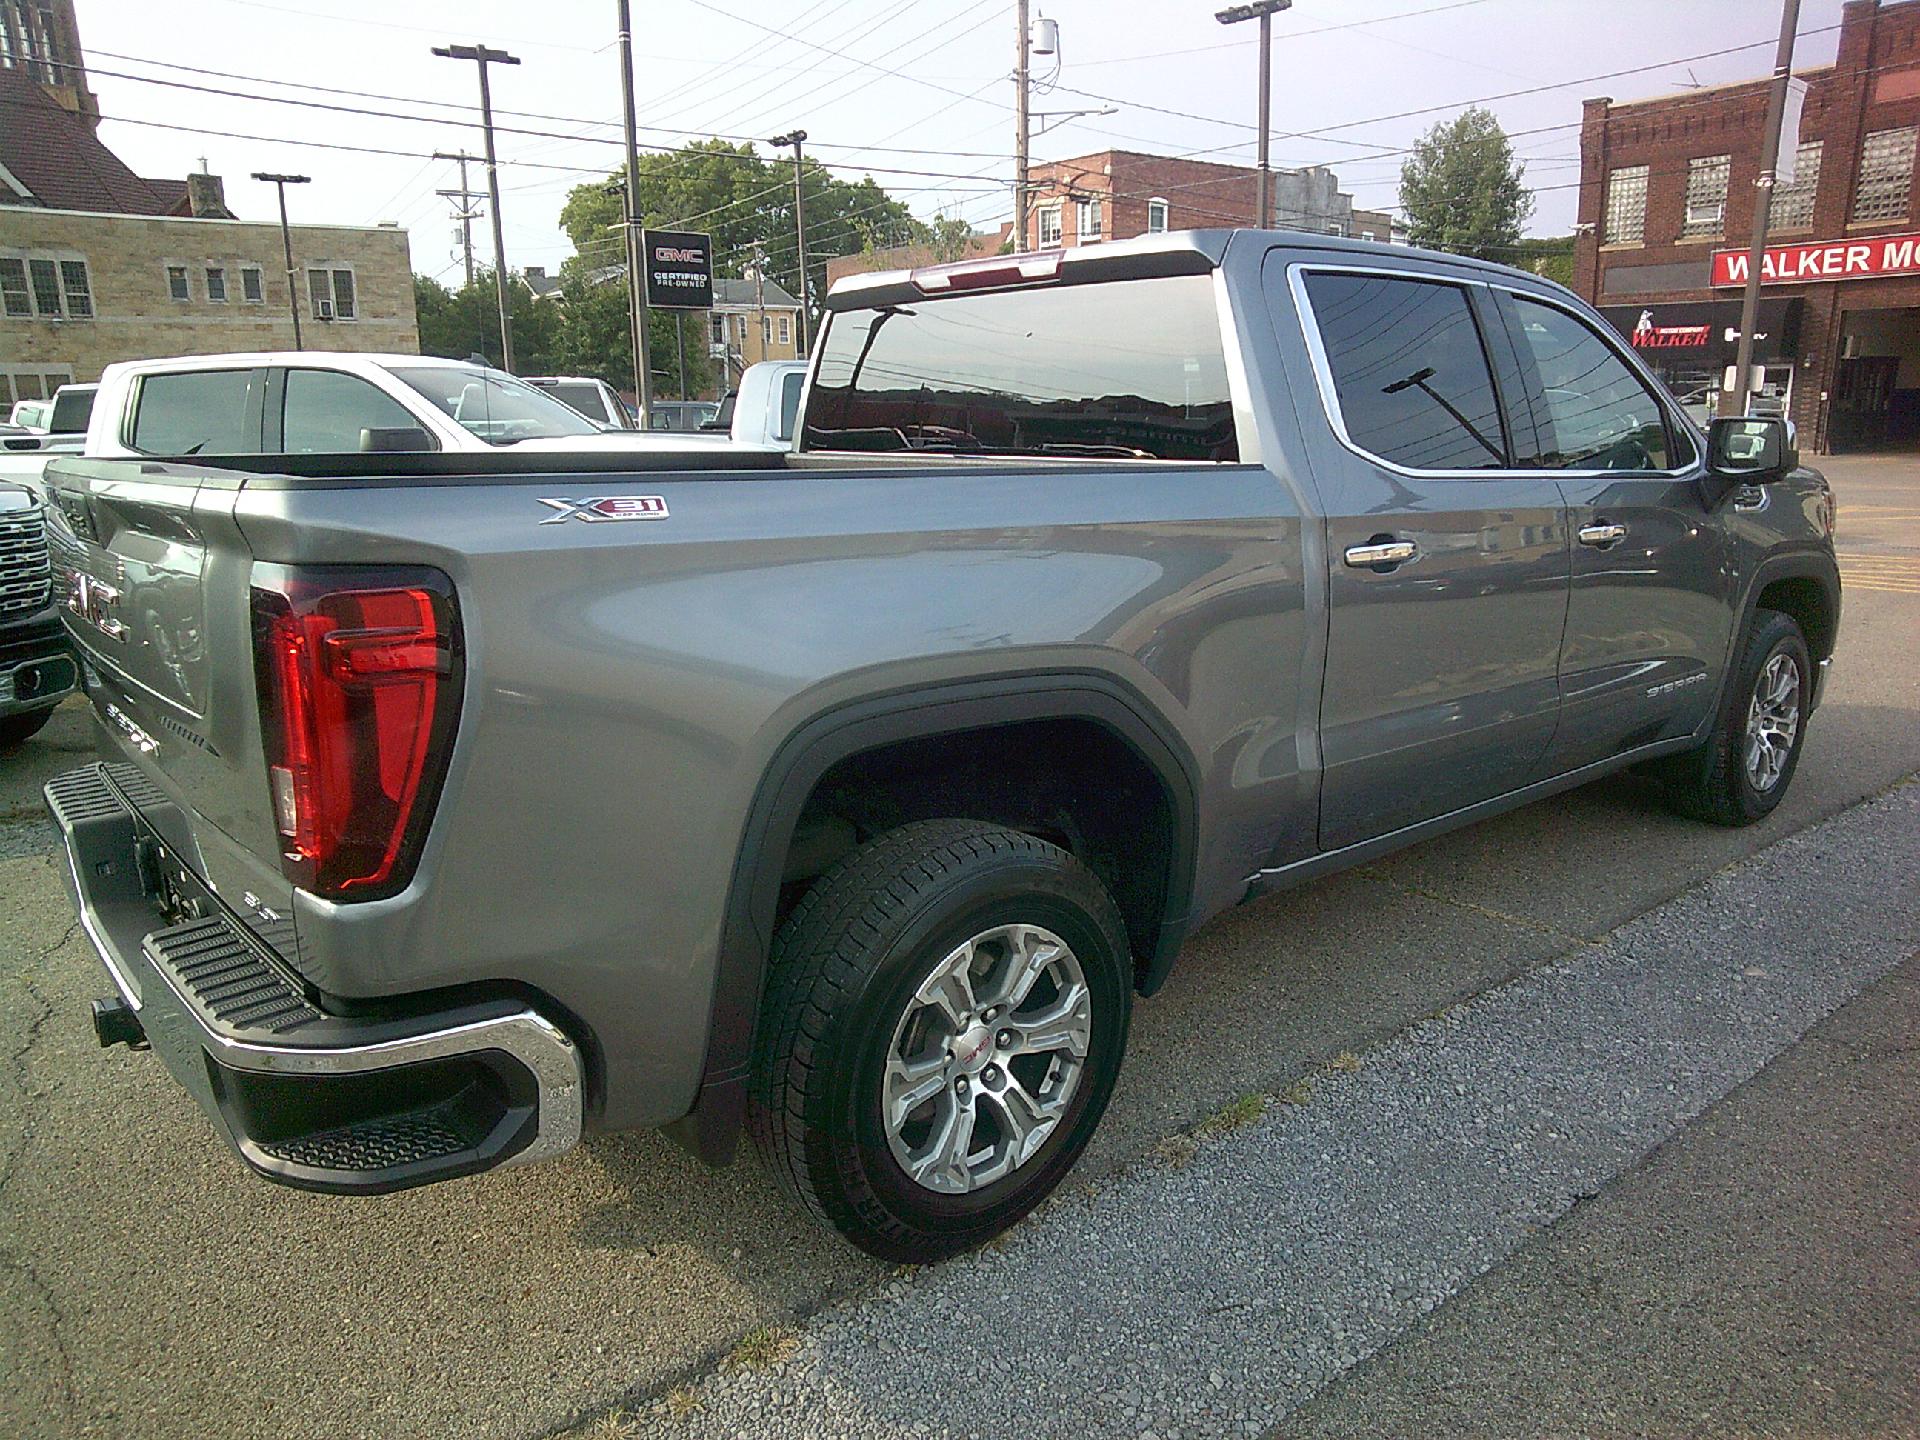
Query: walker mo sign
[[1825, 260]]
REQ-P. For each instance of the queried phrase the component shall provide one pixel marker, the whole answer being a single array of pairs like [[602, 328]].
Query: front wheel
[[1743, 770], [944, 1019]]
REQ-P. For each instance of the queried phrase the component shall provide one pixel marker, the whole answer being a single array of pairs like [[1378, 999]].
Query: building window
[[252, 284], [1337, 228], [331, 294], [1156, 217], [1793, 204], [1086, 221], [78, 286], [786, 330], [1049, 221], [46, 286], [1706, 195], [1886, 175], [719, 331], [30, 383], [177, 282], [13, 286], [1627, 206], [216, 285]]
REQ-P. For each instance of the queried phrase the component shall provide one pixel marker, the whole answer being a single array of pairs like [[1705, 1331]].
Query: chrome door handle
[[1601, 536], [1392, 552]]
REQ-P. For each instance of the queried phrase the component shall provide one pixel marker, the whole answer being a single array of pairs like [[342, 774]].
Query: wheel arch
[[815, 747], [1804, 584]]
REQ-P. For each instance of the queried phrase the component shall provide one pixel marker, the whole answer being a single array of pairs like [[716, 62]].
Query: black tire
[[18, 729], [1712, 783], [847, 965]]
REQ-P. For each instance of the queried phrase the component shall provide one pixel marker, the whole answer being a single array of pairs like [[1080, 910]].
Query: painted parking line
[[1889, 574], [1213, 1294]]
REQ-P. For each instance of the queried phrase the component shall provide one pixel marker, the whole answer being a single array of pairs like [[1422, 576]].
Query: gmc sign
[[679, 269]]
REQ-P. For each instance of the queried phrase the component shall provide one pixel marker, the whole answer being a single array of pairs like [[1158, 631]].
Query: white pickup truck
[[312, 402]]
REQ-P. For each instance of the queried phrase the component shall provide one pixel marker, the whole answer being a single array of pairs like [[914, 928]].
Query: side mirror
[[1751, 449], [394, 439]]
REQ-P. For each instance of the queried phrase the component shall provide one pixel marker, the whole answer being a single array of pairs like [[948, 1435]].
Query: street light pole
[[796, 138], [1021, 138], [1263, 11], [280, 182], [636, 274], [1734, 400], [484, 57]]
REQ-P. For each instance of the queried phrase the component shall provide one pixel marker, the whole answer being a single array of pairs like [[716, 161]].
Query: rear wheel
[[944, 1020], [1743, 770]]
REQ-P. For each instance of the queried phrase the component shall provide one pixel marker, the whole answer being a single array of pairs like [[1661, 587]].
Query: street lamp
[[1263, 11], [484, 57], [281, 182], [796, 138]]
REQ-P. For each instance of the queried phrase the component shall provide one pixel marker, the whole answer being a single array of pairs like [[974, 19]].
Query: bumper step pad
[[395, 1096]]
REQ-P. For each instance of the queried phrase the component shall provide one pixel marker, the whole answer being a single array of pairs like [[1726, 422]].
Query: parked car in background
[[306, 402], [683, 415], [595, 399], [31, 415], [36, 663], [766, 406]]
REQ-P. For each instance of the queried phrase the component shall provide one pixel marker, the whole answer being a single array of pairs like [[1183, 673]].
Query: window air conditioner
[[323, 308]]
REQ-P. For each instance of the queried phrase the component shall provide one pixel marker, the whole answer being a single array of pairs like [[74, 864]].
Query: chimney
[[207, 197], [536, 274]]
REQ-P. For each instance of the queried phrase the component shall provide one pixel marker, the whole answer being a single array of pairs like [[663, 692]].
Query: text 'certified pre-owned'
[[608, 507]]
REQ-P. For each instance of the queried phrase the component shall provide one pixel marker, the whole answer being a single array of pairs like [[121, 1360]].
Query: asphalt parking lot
[[149, 1286]]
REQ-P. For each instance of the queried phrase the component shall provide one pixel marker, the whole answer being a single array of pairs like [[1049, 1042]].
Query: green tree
[[465, 322], [1462, 191], [595, 338], [1550, 256]]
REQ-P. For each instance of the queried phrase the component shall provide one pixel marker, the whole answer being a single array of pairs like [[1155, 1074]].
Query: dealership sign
[[1646, 335], [1823, 260], [679, 268]]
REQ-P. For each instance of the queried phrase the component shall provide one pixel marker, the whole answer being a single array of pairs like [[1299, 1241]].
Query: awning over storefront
[[1707, 332]]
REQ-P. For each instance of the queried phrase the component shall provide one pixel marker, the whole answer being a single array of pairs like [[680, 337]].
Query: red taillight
[[359, 684]]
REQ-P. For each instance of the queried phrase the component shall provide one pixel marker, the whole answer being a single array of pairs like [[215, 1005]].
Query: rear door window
[[325, 413], [198, 412], [1128, 369], [1409, 371]]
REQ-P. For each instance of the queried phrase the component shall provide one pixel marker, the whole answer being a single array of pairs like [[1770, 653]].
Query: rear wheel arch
[[1006, 706]]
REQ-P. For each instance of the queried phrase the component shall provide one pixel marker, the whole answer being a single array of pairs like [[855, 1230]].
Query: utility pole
[[1020, 137], [281, 182], [636, 275], [483, 57], [680, 348], [1263, 11], [796, 138], [1733, 401], [464, 212]]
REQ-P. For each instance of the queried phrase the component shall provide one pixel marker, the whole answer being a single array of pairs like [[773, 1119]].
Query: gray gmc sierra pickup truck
[[457, 806]]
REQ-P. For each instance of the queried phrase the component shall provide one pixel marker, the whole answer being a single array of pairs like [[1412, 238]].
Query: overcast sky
[[916, 92]]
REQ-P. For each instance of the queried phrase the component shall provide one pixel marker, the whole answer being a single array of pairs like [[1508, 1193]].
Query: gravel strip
[[1211, 1294]]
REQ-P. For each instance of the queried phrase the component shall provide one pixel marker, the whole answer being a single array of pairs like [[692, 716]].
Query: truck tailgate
[[155, 575]]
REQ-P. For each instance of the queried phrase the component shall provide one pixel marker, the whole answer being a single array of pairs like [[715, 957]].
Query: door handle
[[1375, 553], [1602, 535]]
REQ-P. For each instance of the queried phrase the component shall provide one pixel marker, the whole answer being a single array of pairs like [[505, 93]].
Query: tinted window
[[72, 408], [494, 405], [1599, 415], [1409, 371], [325, 412], [790, 386], [1128, 368], [584, 398], [197, 412]]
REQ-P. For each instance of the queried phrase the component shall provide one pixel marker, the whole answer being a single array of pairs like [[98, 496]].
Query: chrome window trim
[[1297, 272]]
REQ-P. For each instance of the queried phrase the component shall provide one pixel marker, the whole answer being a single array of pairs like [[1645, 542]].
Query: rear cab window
[[1123, 369]]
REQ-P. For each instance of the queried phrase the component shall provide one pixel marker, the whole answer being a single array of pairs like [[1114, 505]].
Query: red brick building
[[1117, 194], [1666, 208]]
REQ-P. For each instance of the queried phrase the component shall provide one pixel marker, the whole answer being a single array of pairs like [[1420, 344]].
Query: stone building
[[1666, 209], [98, 264]]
